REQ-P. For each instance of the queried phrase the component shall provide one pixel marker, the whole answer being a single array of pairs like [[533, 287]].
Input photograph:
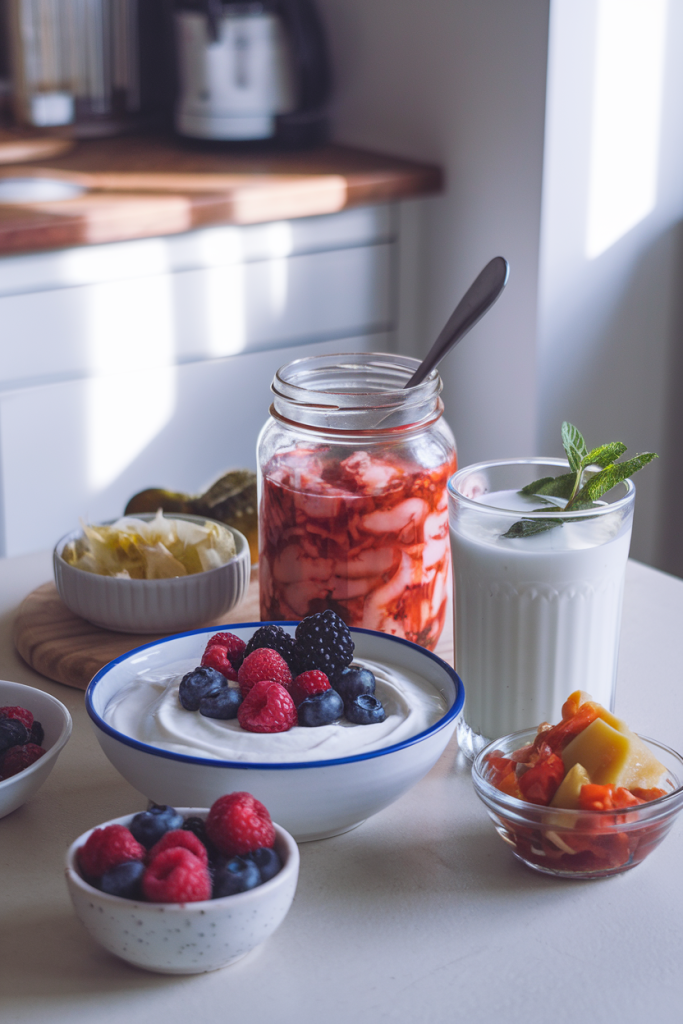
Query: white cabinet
[[148, 363]]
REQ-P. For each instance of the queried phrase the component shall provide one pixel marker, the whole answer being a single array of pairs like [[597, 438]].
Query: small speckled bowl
[[185, 938], [56, 722], [154, 606]]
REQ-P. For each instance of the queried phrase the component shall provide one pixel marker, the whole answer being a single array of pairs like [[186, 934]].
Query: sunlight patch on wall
[[132, 394], [280, 246], [629, 71]]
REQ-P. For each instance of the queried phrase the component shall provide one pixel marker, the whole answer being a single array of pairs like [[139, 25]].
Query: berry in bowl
[[324, 724], [586, 798], [34, 727], [152, 573], [186, 890]]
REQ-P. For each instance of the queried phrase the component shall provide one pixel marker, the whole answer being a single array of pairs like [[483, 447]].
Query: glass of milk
[[536, 617]]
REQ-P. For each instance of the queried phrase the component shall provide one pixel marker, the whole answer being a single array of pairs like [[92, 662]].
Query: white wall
[[609, 326], [460, 83], [464, 83]]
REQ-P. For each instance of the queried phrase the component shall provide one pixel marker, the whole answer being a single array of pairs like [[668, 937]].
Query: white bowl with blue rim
[[311, 799]]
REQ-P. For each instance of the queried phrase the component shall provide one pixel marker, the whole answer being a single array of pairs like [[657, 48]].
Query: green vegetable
[[602, 472]]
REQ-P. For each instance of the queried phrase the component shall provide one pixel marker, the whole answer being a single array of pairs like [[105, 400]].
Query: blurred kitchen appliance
[[251, 71], [79, 63]]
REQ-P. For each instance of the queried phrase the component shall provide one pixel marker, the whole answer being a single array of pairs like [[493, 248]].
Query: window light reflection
[[626, 118]]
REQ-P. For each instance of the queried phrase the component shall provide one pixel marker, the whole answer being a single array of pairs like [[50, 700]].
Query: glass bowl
[[576, 843]]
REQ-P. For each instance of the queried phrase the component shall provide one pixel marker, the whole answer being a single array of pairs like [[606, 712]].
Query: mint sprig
[[602, 470]]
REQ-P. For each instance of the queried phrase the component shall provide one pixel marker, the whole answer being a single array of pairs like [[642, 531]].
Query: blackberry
[[37, 734], [197, 826], [323, 641], [277, 639]]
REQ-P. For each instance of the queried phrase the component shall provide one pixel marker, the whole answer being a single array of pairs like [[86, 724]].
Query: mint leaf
[[528, 527], [554, 486], [574, 445], [533, 487], [605, 454], [613, 475]]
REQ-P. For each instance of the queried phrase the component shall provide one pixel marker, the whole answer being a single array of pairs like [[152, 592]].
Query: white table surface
[[420, 915]]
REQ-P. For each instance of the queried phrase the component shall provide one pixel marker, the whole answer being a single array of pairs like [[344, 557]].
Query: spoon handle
[[479, 298]]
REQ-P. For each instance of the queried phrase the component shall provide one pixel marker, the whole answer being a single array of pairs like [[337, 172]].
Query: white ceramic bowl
[[185, 938], [312, 799], [55, 720], [154, 606]]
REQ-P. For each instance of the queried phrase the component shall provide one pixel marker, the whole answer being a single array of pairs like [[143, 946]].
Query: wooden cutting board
[[18, 147], [64, 647]]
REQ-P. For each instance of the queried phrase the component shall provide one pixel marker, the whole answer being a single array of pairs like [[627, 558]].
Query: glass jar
[[353, 506]]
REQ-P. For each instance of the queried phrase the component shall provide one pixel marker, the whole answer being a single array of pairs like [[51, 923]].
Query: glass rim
[[549, 513], [288, 381], [505, 803]]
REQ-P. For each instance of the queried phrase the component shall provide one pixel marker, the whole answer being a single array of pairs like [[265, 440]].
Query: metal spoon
[[476, 301]]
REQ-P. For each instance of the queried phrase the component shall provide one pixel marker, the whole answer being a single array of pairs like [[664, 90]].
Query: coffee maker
[[251, 72]]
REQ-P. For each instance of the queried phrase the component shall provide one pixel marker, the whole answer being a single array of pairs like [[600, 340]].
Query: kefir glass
[[536, 617], [353, 504]]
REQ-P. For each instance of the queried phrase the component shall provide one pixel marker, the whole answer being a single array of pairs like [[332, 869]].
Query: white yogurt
[[536, 617], [149, 710]]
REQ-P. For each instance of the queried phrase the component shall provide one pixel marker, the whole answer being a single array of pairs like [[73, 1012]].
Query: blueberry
[[37, 733], [364, 710], [13, 733], [200, 683], [267, 861], [124, 880], [223, 705], [353, 681], [234, 874], [149, 826], [321, 709]]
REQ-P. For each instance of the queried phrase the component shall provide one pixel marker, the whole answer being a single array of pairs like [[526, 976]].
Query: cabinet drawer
[[109, 326], [80, 449]]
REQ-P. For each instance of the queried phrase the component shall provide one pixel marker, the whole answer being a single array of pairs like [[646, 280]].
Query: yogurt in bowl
[[316, 781]]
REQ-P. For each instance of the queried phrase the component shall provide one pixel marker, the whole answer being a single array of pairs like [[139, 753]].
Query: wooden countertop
[[144, 186]]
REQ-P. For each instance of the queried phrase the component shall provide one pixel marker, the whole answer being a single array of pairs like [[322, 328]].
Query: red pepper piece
[[539, 784], [510, 785], [648, 794], [498, 767], [560, 735]]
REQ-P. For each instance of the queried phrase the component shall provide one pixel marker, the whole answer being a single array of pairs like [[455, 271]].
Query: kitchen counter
[[419, 915], [141, 187]]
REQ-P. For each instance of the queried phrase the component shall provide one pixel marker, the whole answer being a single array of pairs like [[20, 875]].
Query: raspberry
[[176, 876], [179, 838], [16, 759], [267, 708], [276, 638], [307, 684], [263, 663], [233, 649], [107, 847], [21, 714], [217, 658], [238, 824], [323, 641]]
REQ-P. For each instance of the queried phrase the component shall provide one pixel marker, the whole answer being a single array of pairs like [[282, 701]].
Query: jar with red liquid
[[353, 509]]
